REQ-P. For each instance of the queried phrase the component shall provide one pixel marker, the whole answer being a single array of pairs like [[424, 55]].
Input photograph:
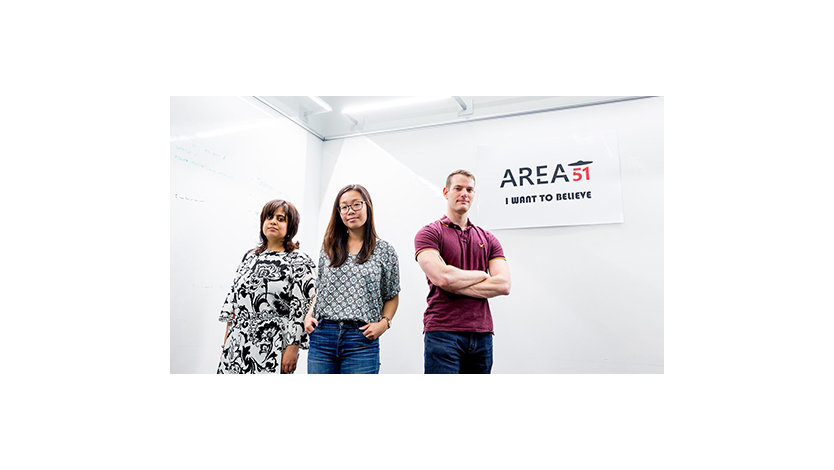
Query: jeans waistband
[[349, 323]]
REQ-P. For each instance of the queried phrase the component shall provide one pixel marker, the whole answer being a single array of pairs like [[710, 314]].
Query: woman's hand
[[310, 323], [289, 359], [374, 330]]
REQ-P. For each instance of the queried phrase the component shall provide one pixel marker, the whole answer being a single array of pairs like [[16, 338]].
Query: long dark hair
[[336, 235], [292, 224]]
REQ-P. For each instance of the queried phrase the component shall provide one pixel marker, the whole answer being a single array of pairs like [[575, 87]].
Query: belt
[[351, 323]]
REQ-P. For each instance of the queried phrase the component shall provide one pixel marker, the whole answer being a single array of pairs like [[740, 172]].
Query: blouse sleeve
[[227, 311], [390, 274], [303, 289]]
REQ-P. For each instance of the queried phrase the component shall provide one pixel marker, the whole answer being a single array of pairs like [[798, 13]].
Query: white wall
[[585, 299], [228, 157]]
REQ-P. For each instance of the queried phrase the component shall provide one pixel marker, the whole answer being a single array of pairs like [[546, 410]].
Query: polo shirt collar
[[445, 220]]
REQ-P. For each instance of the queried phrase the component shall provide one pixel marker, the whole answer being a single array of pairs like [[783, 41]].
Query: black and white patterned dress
[[270, 295]]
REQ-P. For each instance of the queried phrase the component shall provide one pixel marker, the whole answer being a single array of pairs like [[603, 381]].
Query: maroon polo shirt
[[467, 248]]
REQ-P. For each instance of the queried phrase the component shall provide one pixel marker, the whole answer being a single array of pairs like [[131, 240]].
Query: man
[[465, 266]]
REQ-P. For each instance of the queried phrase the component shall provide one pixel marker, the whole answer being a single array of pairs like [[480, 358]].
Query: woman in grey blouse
[[357, 290]]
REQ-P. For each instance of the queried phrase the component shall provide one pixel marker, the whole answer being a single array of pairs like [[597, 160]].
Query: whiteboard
[[228, 157]]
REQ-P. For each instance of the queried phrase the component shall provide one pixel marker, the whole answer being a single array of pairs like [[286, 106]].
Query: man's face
[[460, 193]]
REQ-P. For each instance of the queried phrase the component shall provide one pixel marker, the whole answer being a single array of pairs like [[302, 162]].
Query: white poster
[[571, 180]]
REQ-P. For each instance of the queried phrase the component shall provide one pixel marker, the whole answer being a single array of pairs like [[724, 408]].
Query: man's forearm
[[457, 279], [492, 287]]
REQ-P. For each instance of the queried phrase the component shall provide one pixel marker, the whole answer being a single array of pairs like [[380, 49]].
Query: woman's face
[[275, 227], [353, 218]]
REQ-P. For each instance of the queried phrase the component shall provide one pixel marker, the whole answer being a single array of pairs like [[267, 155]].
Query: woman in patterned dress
[[358, 290], [264, 310]]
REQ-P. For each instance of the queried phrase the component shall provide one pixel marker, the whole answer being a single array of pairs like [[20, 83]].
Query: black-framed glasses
[[356, 206]]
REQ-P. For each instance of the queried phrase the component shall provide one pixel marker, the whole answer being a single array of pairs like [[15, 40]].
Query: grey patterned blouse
[[357, 291]]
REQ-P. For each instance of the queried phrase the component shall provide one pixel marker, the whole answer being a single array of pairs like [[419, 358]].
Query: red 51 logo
[[579, 168]]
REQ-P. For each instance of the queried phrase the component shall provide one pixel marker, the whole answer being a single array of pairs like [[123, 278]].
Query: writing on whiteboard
[[186, 198], [190, 156]]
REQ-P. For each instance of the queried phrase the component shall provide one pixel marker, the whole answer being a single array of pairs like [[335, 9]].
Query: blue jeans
[[339, 347], [450, 352]]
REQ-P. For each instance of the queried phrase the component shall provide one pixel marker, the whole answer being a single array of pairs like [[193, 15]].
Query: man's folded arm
[[497, 284], [446, 277]]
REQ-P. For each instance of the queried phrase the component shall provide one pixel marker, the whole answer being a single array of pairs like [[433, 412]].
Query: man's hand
[[497, 284], [289, 359]]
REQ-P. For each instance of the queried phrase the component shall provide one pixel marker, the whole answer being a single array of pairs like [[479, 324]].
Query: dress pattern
[[270, 295], [357, 291]]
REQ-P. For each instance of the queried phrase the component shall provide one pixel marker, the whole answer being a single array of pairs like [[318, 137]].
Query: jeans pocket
[[365, 339]]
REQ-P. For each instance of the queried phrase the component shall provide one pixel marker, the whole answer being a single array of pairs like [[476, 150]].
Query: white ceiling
[[344, 118]]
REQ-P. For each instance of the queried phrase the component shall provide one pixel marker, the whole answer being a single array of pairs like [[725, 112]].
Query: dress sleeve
[[302, 291], [390, 274], [227, 312]]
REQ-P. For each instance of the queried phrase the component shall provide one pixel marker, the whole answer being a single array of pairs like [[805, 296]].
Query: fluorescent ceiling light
[[326, 107], [390, 104]]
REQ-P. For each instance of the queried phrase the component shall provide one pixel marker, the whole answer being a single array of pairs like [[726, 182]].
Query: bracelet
[[388, 320]]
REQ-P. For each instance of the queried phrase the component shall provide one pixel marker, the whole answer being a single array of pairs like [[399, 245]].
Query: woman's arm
[[226, 336], [389, 289], [303, 291], [289, 359], [389, 309], [310, 323]]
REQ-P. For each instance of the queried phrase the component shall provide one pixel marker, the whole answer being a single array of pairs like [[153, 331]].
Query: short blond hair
[[458, 172]]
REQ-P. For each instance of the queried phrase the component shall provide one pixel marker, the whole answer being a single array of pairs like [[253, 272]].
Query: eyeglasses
[[357, 206]]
